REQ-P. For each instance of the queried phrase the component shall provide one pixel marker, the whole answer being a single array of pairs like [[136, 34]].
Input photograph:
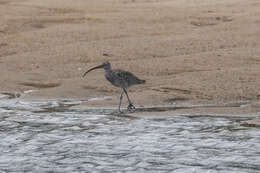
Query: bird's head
[[105, 65]]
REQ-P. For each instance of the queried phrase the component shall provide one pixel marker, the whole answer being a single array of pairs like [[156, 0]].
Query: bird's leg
[[130, 107], [121, 97]]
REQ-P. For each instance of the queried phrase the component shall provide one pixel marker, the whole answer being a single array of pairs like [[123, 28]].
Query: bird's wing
[[124, 75], [127, 77]]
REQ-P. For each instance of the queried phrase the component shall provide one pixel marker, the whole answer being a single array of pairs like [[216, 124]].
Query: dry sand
[[196, 51]]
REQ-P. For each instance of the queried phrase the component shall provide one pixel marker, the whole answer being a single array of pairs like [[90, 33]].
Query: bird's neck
[[107, 69]]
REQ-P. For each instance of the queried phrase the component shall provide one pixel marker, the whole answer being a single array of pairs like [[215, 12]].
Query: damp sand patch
[[41, 85]]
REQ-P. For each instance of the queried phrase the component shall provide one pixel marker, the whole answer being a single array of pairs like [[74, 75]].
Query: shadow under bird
[[119, 78]]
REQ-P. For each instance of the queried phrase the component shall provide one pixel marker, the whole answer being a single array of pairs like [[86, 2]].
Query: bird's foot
[[131, 107]]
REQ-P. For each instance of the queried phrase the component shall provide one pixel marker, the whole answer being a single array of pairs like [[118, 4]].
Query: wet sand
[[188, 51]]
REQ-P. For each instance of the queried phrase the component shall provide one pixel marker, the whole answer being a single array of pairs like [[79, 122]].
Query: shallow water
[[60, 136]]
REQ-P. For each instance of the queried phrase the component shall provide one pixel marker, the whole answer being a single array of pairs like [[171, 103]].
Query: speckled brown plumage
[[119, 78]]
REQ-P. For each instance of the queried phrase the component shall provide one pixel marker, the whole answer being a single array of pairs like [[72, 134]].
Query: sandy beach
[[194, 51]]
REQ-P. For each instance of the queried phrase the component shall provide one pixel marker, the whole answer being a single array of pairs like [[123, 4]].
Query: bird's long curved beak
[[100, 66]]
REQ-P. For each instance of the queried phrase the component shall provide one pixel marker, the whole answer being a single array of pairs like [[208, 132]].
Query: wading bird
[[119, 78]]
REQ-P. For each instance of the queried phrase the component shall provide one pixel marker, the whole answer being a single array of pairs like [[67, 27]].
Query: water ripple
[[58, 136]]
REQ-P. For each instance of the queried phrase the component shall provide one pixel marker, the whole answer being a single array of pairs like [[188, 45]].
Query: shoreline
[[249, 109], [111, 101]]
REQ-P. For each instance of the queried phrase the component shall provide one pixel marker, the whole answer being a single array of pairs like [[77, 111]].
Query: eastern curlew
[[119, 78]]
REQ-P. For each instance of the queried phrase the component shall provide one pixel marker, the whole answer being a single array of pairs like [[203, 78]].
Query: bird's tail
[[141, 81]]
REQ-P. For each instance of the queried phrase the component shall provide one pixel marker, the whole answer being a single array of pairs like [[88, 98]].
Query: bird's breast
[[116, 81]]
